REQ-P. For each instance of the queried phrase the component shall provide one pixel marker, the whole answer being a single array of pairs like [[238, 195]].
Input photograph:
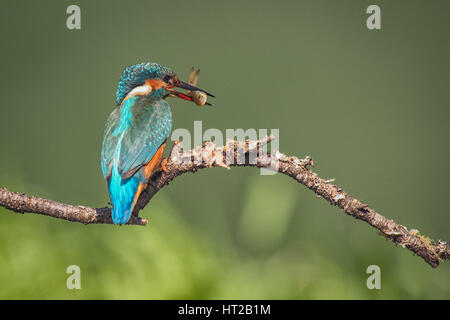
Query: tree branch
[[234, 153], [21, 203]]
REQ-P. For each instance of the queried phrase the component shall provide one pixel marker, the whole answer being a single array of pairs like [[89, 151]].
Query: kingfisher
[[136, 132]]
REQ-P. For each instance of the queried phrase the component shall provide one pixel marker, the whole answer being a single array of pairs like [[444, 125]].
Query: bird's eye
[[168, 79]]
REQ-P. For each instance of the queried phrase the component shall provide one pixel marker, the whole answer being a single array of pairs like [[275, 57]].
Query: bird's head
[[153, 81]]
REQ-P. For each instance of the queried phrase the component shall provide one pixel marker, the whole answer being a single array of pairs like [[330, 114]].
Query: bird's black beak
[[186, 86]]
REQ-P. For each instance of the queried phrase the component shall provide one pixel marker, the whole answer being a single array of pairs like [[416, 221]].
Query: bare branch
[[21, 203], [243, 153]]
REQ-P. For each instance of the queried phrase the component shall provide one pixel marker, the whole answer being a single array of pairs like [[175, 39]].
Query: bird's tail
[[122, 194]]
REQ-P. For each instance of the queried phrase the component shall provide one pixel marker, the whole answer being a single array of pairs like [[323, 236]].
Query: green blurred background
[[370, 107]]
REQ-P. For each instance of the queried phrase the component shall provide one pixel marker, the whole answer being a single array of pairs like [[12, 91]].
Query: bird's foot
[[163, 165]]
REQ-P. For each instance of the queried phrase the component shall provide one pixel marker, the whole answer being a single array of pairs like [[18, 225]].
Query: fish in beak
[[186, 86]]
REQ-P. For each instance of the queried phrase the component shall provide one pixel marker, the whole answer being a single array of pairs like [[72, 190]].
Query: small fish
[[198, 97]]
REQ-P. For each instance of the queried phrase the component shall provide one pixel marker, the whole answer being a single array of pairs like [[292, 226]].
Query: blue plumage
[[122, 193], [133, 133]]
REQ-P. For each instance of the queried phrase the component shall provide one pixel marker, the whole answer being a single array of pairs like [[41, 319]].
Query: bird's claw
[[163, 165]]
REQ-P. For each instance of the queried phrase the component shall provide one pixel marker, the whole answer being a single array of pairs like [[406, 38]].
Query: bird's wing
[[149, 128], [151, 125], [110, 142]]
